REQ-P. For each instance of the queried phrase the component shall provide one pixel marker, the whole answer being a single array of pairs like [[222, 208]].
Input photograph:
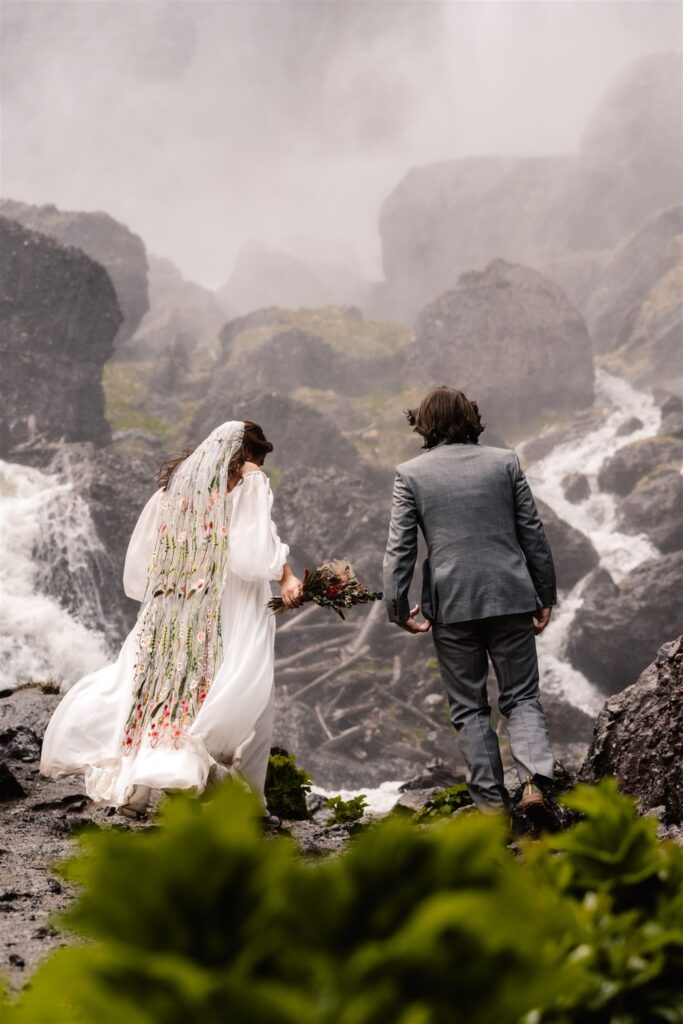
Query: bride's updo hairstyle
[[445, 414], [255, 447]]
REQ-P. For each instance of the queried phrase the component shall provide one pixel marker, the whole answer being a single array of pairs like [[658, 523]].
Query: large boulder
[[638, 737], [59, 315], [510, 340], [618, 629], [105, 240], [620, 473], [655, 507]]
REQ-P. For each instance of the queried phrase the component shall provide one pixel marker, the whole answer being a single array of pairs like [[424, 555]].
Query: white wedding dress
[[233, 727]]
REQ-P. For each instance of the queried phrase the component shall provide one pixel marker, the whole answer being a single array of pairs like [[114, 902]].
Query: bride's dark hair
[[255, 447]]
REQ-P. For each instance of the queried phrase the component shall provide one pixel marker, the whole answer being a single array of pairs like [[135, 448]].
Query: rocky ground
[[637, 738]]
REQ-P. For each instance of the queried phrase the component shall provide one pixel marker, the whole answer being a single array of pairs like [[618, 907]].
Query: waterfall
[[596, 516], [43, 521]]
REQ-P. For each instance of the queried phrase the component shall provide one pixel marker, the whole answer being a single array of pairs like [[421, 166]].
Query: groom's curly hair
[[255, 447], [445, 414]]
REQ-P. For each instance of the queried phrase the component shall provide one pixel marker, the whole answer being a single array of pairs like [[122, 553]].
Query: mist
[[204, 125]]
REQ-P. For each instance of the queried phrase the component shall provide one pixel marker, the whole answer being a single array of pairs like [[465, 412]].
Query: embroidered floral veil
[[179, 631]]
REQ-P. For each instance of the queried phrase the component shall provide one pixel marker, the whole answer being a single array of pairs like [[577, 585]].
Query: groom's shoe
[[532, 797]]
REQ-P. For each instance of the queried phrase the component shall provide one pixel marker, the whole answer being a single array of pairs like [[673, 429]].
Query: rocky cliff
[[635, 311], [639, 737], [106, 241], [443, 219], [59, 316]]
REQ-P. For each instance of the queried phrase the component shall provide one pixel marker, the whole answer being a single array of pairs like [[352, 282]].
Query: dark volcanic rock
[[672, 417], [299, 433], [10, 787], [630, 426], [639, 737], [573, 553], [655, 507], [510, 340], [629, 464], [59, 315], [576, 487], [618, 629], [105, 240], [19, 744]]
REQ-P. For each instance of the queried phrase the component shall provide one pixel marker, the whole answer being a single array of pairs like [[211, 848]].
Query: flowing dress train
[[233, 726]]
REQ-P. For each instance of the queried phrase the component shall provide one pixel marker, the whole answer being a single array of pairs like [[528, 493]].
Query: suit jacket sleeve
[[532, 538], [401, 553]]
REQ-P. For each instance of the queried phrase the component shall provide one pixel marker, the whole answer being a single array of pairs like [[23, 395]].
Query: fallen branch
[[323, 723], [281, 663], [336, 740]]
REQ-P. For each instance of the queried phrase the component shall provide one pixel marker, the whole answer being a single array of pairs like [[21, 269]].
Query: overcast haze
[[204, 124]]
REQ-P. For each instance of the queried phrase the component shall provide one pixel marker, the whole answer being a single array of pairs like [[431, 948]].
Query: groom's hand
[[411, 625], [541, 619]]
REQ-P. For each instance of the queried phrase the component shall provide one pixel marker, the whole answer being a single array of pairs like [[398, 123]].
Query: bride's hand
[[290, 589]]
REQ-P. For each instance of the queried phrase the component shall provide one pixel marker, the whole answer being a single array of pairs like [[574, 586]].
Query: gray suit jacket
[[487, 549]]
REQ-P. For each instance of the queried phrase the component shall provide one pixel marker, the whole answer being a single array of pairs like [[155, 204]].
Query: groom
[[488, 586]]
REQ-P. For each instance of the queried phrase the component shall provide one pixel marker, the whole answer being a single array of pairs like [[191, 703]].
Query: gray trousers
[[463, 650]]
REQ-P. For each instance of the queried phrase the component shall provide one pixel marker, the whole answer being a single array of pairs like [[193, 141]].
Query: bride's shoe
[[136, 807]]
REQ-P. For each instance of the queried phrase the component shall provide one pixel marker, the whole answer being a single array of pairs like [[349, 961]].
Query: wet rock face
[[510, 340], [635, 461], [104, 240], [59, 315], [655, 507], [618, 629], [638, 737]]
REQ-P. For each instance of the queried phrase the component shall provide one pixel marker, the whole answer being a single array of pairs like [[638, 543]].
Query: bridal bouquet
[[332, 585]]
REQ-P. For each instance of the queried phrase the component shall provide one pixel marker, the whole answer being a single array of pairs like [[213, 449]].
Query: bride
[[190, 697]]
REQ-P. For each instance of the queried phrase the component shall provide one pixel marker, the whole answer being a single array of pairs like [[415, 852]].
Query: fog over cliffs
[[202, 126]]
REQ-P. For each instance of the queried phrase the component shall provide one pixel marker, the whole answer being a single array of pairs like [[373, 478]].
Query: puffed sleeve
[[256, 551], [140, 549]]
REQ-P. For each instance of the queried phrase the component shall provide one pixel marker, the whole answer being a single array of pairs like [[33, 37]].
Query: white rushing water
[[39, 639], [596, 516]]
